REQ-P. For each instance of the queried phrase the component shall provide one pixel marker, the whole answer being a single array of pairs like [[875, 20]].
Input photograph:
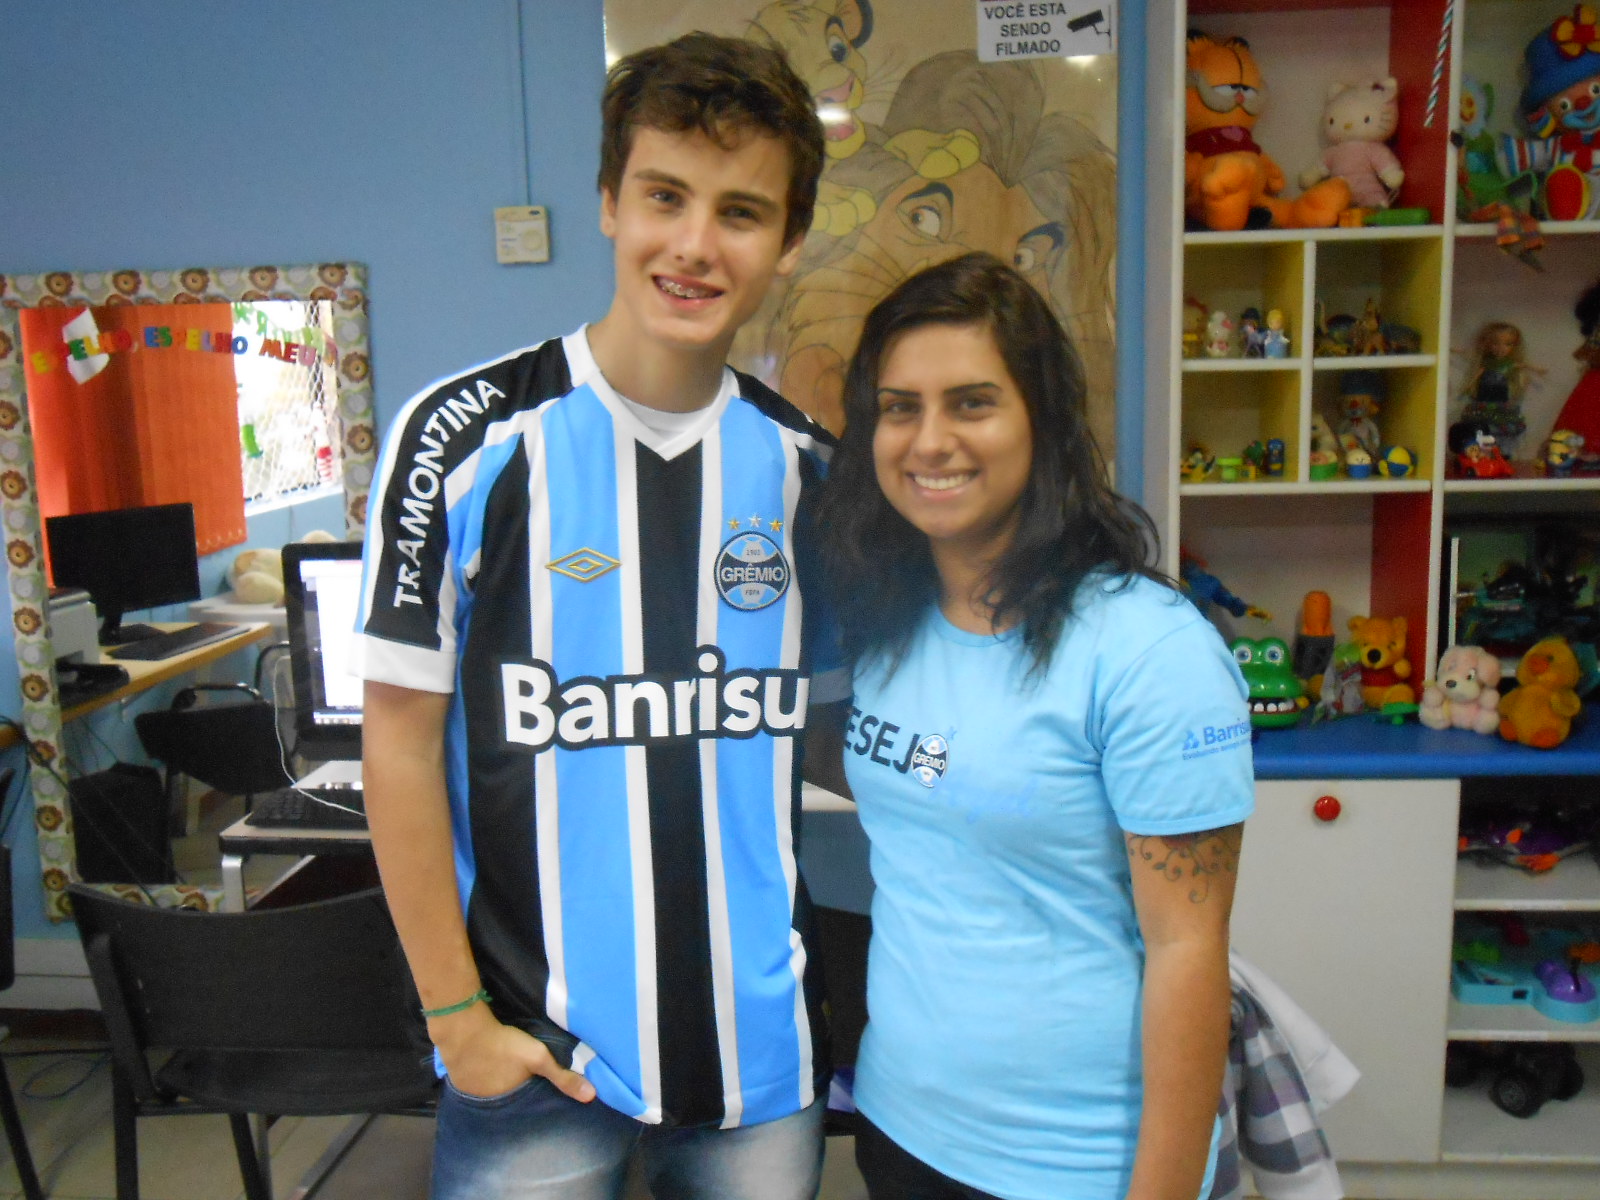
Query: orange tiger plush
[[1226, 174]]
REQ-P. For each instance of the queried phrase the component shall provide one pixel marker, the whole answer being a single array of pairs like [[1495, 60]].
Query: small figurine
[[1497, 384], [1255, 460], [1195, 315], [1561, 453], [1334, 334], [1381, 651], [1402, 339], [1539, 711], [1581, 412], [1275, 343], [1477, 455], [1357, 462], [1197, 465], [1205, 589], [1275, 458], [1219, 335], [1367, 336], [1324, 458], [1360, 397], [1358, 120], [1464, 692], [1251, 333]]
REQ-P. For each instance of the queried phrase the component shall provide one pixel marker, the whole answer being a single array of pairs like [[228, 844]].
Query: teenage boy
[[585, 679]]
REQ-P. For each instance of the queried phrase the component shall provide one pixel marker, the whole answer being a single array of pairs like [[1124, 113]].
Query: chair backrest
[[328, 975], [231, 746]]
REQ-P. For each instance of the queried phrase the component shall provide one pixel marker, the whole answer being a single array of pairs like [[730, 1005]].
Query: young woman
[[1050, 750]]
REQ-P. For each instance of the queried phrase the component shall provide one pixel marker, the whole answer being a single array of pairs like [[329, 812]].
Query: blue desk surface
[[1363, 747]]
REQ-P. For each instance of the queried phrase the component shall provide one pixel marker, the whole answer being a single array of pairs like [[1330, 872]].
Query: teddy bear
[[1381, 650], [1464, 692], [1539, 710], [1229, 181], [1358, 121]]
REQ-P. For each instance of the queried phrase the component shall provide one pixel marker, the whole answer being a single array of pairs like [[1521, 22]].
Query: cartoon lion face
[[35, 687], [19, 552], [355, 367], [359, 438], [126, 282], [10, 415], [27, 620], [194, 280], [333, 274], [822, 40], [58, 283], [5, 346], [265, 278]]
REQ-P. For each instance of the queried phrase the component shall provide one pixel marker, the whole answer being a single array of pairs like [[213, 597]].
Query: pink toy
[[1358, 120], [1464, 693]]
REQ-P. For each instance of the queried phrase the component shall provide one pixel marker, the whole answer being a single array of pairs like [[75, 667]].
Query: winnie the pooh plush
[[1464, 692], [1358, 121], [1381, 650], [1539, 711], [1229, 181]]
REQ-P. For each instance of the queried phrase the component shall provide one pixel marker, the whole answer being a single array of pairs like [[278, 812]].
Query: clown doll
[[1561, 105]]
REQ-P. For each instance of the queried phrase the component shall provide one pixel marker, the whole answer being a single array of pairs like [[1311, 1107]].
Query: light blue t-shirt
[[1003, 986]]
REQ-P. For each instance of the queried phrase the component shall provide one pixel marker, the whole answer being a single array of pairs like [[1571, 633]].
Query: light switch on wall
[[522, 234]]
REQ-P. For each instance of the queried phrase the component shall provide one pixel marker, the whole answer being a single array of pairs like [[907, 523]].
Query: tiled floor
[[191, 1158]]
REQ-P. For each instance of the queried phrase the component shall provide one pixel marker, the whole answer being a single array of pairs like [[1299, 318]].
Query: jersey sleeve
[[1175, 734], [406, 629]]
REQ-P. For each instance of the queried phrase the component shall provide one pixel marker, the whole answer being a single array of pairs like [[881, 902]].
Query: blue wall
[[163, 133]]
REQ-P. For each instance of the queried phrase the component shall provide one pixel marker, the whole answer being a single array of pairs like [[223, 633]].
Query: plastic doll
[[1360, 397], [1251, 333], [1581, 413], [1219, 335], [1276, 343], [1498, 383], [1205, 589]]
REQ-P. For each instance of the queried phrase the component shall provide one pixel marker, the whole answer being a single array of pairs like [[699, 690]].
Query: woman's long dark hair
[[880, 567]]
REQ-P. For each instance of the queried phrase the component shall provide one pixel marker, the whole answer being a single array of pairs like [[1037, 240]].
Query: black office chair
[[303, 1011], [231, 746], [9, 1117]]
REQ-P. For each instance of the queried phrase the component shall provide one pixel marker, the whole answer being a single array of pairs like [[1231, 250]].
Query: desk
[[142, 676], [241, 839]]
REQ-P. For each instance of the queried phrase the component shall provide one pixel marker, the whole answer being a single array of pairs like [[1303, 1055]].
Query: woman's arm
[[409, 815], [1182, 893]]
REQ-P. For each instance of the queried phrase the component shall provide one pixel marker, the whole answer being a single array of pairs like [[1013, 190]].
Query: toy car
[[1525, 1074]]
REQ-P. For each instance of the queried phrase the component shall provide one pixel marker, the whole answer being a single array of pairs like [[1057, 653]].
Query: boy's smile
[[697, 229]]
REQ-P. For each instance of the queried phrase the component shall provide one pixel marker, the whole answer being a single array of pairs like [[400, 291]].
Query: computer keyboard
[[165, 645], [310, 807]]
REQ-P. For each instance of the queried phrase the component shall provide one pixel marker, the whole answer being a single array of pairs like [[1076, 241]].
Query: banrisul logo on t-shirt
[[751, 571], [930, 760]]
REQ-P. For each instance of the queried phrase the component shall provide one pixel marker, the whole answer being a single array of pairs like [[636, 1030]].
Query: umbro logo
[[584, 565]]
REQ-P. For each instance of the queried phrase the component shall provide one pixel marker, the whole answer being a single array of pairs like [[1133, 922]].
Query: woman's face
[[953, 445]]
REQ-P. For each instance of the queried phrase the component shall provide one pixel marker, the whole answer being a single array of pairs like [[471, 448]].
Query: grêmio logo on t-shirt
[[925, 757]]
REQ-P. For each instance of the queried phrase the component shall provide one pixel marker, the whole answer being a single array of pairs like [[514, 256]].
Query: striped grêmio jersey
[[616, 613]]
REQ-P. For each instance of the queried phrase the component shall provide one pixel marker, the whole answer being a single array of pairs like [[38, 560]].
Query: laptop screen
[[322, 594]]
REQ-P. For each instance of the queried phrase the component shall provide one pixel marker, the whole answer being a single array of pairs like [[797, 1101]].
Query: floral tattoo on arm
[[1192, 858]]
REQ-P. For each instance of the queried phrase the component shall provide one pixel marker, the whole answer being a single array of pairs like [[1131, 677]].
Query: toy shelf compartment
[[1399, 276], [1563, 1132], [1225, 411], [1495, 35], [1351, 41], [1489, 285], [1572, 885], [1408, 401], [1231, 278]]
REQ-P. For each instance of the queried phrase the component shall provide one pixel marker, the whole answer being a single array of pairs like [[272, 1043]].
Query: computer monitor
[[322, 594], [126, 559]]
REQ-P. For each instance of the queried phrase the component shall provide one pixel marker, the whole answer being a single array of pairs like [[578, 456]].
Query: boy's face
[[698, 236]]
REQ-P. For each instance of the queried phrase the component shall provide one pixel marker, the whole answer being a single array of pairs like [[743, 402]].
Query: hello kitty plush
[[1357, 120]]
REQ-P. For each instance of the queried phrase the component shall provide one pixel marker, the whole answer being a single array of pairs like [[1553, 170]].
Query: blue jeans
[[533, 1143]]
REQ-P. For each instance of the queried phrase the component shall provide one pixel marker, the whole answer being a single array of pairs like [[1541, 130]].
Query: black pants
[[891, 1173]]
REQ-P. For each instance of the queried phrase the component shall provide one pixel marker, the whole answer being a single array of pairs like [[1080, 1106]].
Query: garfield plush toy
[[1229, 182]]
